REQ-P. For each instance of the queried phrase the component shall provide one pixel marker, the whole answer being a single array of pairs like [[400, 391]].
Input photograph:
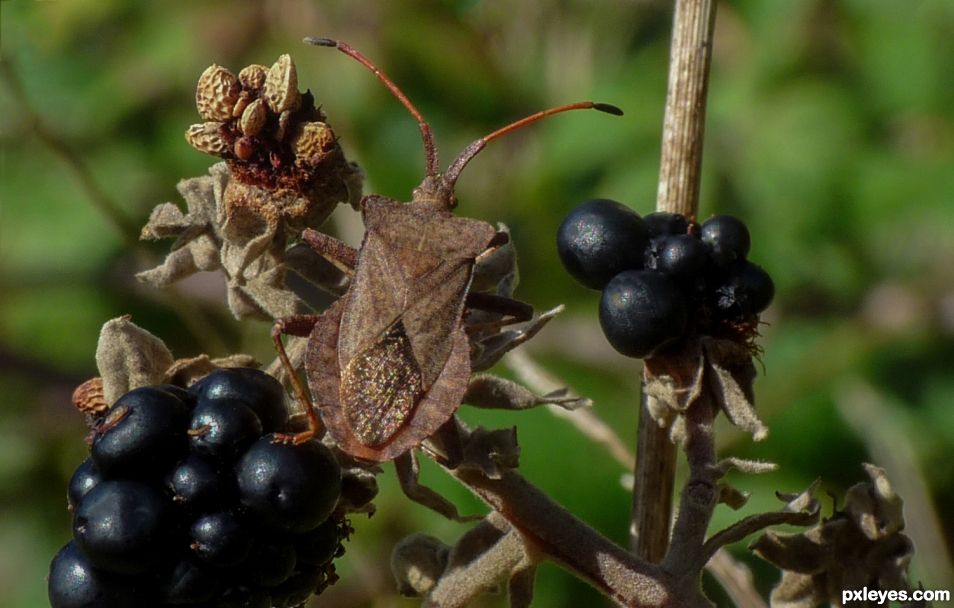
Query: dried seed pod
[[253, 118], [206, 137], [216, 93], [88, 397], [313, 142], [253, 76], [281, 86]]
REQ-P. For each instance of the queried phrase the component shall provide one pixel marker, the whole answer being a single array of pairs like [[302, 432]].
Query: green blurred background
[[830, 131]]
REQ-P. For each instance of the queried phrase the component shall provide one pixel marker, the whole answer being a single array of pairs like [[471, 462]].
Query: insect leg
[[408, 472], [343, 256], [296, 325]]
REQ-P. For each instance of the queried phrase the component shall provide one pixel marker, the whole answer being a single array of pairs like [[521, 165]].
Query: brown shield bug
[[389, 362]]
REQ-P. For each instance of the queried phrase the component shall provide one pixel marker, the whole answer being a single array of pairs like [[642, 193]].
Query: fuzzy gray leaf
[[492, 392], [733, 371], [487, 350], [128, 357]]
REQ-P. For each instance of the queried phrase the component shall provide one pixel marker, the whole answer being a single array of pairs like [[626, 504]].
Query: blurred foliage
[[830, 131]]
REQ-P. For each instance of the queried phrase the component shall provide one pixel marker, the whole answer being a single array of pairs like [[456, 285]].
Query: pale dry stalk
[[679, 179]]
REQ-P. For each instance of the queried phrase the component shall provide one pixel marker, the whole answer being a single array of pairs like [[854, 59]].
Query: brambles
[[185, 502], [663, 276]]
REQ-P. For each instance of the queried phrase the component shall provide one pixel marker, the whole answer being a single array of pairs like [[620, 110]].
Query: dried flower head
[[858, 546], [276, 142]]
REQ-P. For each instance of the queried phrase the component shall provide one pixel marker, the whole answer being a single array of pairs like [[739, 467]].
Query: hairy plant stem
[[679, 178], [554, 532]]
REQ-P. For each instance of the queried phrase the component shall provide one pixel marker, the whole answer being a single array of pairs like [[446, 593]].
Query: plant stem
[[679, 179], [556, 533]]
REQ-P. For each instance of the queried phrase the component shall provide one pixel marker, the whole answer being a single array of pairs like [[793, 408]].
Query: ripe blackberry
[[272, 559], [188, 582], [143, 433], [640, 310], [84, 479], [318, 546], [691, 279], [289, 487], [746, 290], [121, 526], [262, 392], [683, 257], [727, 237], [599, 239], [660, 223], [196, 482], [223, 428], [75, 583], [158, 516], [220, 538]]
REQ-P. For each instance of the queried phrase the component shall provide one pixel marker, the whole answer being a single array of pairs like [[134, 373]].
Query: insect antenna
[[455, 168], [430, 150]]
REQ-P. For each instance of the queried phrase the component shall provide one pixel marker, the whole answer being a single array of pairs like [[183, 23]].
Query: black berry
[[291, 487], [660, 223], [682, 256], [262, 392], [318, 546], [747, 290], [188, 582], [120, 526], [272, 560], [727, 238], [220, 539], [143, 433], [183, 501], [242, 596], [599, 239], [296, 590], [85, 478], [75, 583], [197, 482], [640, 310], [222, 428]]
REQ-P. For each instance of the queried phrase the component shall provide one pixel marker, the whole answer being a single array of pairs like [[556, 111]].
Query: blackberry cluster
[[186, 500], [663, 276]]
